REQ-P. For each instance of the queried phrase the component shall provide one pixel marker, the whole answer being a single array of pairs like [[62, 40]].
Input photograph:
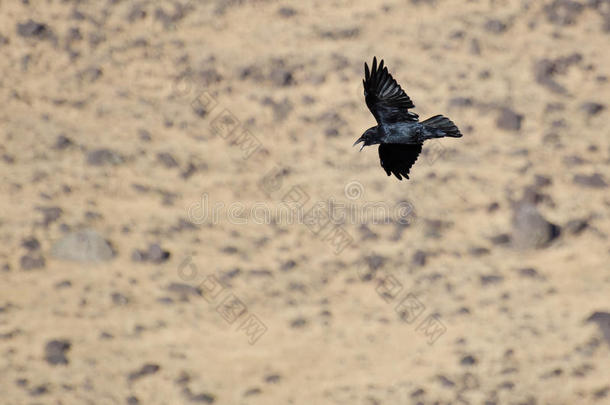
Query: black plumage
[[398, 132]]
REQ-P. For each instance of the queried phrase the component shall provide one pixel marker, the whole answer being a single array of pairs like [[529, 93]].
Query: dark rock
[[167, 159], [445, 382], [545, 71], [288, 265], [509, 120], [491, 279], [542, 181], [33, 29], [63, 142], [153, 254], [32, 261], [419, 258], [479, 251], [501, 239], [31, 244], [146, 369], [183, 289], [101, 157], [591, 108], [55, 351], [287, 12], [203, 397], [344, 33], [298, 322], [602, 319], [468, 360], [273, 379], [495, 26], [576, 226], [119, 299], [132, 400], [461, 102], [530, 272], [596, 180], [563, 12], [50, 214]]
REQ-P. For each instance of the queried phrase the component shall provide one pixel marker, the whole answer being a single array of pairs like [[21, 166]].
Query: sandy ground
[[184, 136]]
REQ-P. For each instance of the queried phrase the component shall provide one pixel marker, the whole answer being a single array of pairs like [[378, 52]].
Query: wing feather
[[385, 98], [397, 158]]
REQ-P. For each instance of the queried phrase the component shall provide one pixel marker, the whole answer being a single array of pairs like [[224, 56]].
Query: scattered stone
[[509, 120], [563, 12], [101, 157], [146, 369], [33, 29], [530, 229], [55, 351], [495, 26], [119, 299], [288, 265], [491, 279], [273, 379], [591, 108], [298, 322], [461, 102], [63, 142], [50, 215], [287, 12], [501, 239], [154, 254], [31, 243], [545, 71], [595, 180], [203, 397], [83, 246], [184, 290], [419, 258], [530, 272], [468, 360], [344, 33], [132, 400], [167, 160], [602, 319], [31, 261], [576, 226], [479, 251]]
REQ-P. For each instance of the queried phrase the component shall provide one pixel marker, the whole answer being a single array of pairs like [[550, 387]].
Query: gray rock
[[32, 261], [509, 120], [33, 29], [530, 229], [602, 319], [83, 246], [596, 180], [55, 351], [101, 157]]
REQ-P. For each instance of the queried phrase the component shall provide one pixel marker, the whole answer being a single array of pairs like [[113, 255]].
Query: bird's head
[[369, 137]]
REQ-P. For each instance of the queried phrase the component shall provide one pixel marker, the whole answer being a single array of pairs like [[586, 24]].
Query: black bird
[[399, 133]]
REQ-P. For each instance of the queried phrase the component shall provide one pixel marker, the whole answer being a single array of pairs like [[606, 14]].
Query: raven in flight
[[399, 133]]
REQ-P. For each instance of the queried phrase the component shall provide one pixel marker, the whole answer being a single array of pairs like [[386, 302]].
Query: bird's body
[[399, 132]]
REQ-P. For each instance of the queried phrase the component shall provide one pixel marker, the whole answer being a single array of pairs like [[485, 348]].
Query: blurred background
[[183, 218]]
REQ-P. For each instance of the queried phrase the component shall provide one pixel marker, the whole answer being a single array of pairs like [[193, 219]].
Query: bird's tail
[[443, 126]]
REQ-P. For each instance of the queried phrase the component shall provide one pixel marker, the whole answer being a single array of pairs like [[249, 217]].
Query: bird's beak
[[358, 141]]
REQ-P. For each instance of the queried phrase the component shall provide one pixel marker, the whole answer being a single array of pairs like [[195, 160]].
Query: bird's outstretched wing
[[385, 98], [397, 158]]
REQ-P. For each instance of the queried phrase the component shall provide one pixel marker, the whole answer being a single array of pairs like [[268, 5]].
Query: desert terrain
[[184, 220]]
